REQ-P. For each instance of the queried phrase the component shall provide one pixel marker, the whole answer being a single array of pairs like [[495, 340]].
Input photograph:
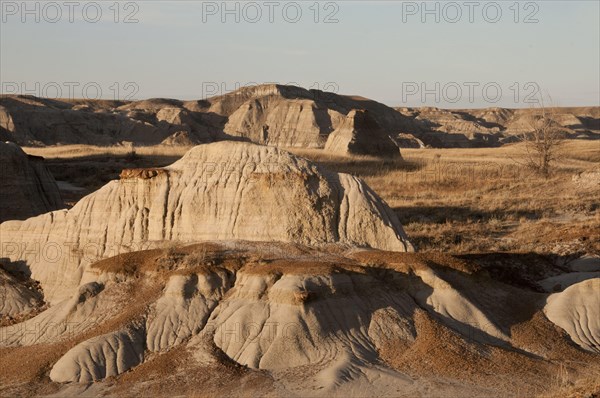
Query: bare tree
[[542, 140]]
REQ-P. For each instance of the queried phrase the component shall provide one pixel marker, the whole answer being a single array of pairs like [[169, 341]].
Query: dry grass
[[466, 200]]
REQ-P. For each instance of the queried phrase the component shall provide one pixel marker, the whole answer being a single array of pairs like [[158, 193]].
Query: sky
[[444, 54]]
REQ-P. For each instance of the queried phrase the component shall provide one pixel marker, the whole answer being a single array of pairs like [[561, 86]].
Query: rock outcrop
[[27, 188], [35, 121], [291, 116], [278, 115], [360, 134], [224, 190], [491, 127], [408, 141], [183, 309], [577, 311], [180, 138], [16, 297], [332, 321], [285, 116], [452, 128], [101, 357]]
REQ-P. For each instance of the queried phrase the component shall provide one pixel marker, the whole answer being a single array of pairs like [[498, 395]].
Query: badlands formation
[[360, 134], [492, 127], [222, 191], [26, 188], [250, 318], [277, 115], [243, 270], [285, 116]]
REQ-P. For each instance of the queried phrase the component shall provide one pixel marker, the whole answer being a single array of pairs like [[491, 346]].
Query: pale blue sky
[[371, 51]]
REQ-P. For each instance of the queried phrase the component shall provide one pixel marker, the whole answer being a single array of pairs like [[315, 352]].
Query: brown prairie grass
[[484, 199]]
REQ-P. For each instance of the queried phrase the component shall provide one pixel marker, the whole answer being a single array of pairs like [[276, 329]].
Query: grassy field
[[449, 200], [472, 200]]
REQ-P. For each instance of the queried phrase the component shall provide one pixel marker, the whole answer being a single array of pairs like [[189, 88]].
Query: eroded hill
[[491, 127], [277, 115], [278, 319], [225, 190]]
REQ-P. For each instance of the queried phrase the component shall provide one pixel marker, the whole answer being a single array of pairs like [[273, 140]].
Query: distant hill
[[496, 126], [284, 116]]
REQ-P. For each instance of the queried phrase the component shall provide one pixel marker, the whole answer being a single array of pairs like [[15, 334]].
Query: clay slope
[[360, 134], [224, 190], [26, 188], [286, 319], [577, 311], [19, 296], [445, 128]]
